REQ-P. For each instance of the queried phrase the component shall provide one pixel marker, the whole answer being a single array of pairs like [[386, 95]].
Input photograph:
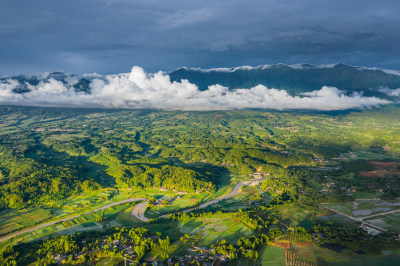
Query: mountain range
[[295, 79]]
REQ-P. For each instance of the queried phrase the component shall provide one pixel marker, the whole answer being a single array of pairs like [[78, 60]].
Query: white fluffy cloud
[[138, 89], [390, 92]]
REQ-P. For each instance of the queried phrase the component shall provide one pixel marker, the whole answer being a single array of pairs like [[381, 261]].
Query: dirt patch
[[376, 173], [379, 173], [282, 244], [381, 165], [382, 169], [385, 165], [304, 244]]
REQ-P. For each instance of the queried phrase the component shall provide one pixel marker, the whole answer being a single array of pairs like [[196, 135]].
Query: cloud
[[390, 92], [138, 89]]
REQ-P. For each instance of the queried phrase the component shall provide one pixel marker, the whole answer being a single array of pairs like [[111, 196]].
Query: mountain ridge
[[295, 78]]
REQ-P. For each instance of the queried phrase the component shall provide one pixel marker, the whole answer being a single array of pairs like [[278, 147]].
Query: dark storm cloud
[[112, 36]]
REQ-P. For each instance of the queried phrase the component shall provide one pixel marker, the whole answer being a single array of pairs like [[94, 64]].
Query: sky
[[111, 36]]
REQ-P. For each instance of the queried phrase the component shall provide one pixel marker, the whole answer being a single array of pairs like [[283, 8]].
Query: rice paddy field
[[387, 221], [213, 228], [365, 208], [14, 220], [91, 221], [339, 219]]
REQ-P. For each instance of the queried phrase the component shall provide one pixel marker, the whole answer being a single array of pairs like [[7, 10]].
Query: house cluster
[[196, 256], [327, 185], [60, 257], [128, 250], [370, 230]]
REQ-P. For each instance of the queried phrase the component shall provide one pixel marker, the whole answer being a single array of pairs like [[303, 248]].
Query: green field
[[273, 256]]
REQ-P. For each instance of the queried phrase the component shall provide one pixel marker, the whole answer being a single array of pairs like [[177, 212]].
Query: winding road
[[138, 210]]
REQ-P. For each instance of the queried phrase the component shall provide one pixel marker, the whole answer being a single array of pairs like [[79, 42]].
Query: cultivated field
[[214, 228]]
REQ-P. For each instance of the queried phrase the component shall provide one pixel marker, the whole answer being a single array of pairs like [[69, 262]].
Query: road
[[379, 214], [360, 219], [5, 238], [138, 210]]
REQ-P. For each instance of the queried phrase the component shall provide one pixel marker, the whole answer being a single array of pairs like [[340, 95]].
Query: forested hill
[[298, 78]]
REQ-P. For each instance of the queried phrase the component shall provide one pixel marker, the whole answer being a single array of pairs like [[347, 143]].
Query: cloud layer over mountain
[[138, 89]]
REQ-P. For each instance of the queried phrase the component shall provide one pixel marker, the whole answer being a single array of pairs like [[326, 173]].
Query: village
[[195, 255]]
